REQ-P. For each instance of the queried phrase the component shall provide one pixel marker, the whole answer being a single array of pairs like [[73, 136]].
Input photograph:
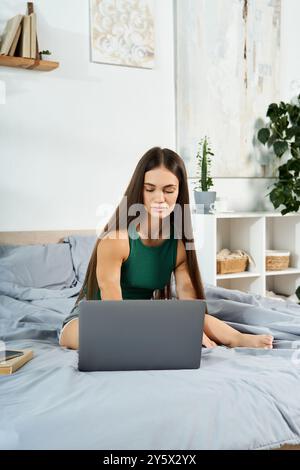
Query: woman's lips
[[159, 209]]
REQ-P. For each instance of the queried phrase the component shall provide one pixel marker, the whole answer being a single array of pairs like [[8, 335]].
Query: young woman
[[134, 259]]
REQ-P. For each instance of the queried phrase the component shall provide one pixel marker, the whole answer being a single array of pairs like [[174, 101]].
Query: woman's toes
[[256, 341], [268, 340]]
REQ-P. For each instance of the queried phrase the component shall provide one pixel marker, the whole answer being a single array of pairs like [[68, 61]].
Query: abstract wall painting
[[122, 32]]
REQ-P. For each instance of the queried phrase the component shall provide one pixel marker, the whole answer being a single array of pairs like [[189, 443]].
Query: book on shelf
[[9, 366], [33, 36], [9, 34], [34, 47], [25, 41], [13, 47]]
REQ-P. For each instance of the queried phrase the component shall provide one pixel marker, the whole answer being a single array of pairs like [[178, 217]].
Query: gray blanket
[[240, 398]]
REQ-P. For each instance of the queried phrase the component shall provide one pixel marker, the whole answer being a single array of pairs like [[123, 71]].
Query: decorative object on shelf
[[203, 197], [277, 260], [232, 261], [122, 33], [283, 133], [42, 53]]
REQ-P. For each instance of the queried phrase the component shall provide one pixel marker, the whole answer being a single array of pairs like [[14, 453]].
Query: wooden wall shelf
[[24, 63]]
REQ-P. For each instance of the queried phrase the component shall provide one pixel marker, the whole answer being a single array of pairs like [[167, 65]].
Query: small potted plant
[[42, 53], [203, 197]]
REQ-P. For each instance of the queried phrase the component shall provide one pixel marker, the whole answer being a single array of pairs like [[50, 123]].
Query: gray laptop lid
[[140, 334]]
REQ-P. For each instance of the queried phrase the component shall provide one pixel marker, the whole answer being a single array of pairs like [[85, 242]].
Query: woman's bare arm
[[184, 286], [186, 291], [111, 253]]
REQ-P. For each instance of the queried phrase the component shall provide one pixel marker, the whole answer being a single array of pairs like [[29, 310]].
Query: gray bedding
[[239, 399]]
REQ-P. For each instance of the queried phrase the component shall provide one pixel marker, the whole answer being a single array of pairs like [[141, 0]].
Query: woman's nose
[[160, 197]]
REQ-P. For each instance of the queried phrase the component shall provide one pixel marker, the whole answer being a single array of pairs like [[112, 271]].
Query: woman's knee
[[69, 336]]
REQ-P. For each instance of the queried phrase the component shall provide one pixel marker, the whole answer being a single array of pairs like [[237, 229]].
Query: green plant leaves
[[263, 135], [277, 197], [280, 147], [284, 194], [295, 150], [273, 112], [204, 172], [294, 113], [284, 172], [294, 165], [204, 162], [283, 134], [290, 133]]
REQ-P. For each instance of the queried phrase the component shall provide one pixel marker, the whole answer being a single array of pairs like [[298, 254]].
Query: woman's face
[[161, 188]]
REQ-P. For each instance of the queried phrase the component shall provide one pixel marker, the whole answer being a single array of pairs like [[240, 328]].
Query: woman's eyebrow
[[167, 185]]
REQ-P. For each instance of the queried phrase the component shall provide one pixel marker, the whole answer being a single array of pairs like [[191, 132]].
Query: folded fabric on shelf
[[225, 253]]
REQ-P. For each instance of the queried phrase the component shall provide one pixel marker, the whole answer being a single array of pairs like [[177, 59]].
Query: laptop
[[140, 334]]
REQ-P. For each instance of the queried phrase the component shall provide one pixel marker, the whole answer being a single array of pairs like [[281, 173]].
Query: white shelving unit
[[254, 232]]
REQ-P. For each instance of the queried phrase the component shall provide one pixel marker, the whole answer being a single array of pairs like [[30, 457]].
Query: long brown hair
[[153, 158]]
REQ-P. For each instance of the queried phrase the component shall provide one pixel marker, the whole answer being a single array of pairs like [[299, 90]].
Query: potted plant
[[203, 197], [42, 53], [283, 134]]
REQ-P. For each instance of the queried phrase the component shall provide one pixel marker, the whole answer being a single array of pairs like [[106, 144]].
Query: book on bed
[[11, 365]]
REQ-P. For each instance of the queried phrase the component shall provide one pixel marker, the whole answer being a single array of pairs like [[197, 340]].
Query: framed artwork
[[122, 32], [227, 73]]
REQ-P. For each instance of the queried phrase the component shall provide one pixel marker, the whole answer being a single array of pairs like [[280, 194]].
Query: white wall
[[71, 138]]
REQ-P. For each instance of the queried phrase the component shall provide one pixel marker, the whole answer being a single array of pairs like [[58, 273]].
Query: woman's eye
[[152, 190]]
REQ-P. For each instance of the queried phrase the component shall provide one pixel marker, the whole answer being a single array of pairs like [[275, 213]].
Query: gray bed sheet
[[240, 398]]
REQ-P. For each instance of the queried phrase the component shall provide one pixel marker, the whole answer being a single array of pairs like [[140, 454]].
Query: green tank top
[[148, 267]]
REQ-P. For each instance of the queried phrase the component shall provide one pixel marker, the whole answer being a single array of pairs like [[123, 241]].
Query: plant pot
[[43, 56], [203, 200]]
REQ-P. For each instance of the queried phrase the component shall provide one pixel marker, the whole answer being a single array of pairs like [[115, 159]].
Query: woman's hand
[[208, 342]]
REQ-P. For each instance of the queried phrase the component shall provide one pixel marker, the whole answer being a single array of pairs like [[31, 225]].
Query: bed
[[240, 398]]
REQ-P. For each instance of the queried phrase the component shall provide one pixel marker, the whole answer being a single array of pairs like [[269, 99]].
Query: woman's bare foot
[[254, 341], [208, 342]]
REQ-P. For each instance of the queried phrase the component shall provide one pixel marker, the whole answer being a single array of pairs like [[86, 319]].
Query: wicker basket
[[277, 260], [232, 265]]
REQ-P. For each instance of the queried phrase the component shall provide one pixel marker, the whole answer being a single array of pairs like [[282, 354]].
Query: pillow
[[42, 266], [81, 250]]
